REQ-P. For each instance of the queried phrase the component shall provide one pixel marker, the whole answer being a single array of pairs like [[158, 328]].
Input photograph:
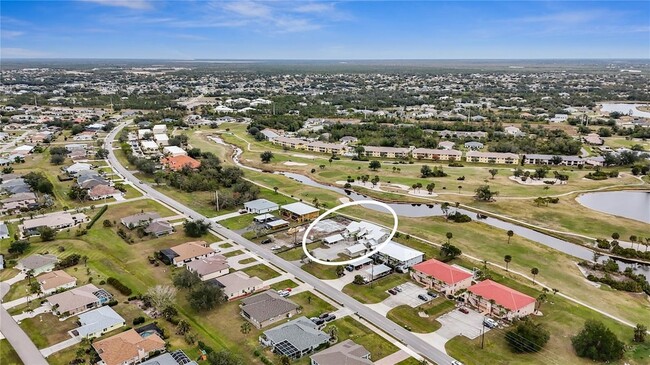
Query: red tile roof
[[441, 271], [501, 294], [178, 162]]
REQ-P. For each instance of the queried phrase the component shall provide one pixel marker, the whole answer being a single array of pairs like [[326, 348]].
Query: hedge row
[[96, 217], [125, 290]]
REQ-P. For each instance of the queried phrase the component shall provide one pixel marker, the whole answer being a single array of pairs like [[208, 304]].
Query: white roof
[[278, 222], [174, 150], [333, 239], [261, 204], [377, 270], [356, 248], [400, 252], [98, 320], [161, 137], [149, 145], [299, 208], [79, 167]]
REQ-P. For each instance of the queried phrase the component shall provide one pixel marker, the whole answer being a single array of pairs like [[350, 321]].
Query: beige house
[[209, 267], [127, 348], [499, 300], [329, 148], [189, 251], [433, 154], [266, 308], [55, 280], [239, 284], [346, 352], [78, 300], [492, 157]]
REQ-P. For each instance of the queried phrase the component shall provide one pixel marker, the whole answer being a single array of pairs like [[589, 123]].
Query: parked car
[[398, 289], [490, 323], [243, 211], [392, 291], [276, 247], [456, 362], [423, 297], [401, 269], [463, 310], [330, 318], [349, 268], [317, 321], [268, 240], [324, 315], [432, 294], [283, 293], [288, 289]]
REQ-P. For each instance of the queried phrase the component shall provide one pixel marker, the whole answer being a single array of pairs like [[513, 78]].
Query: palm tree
[[510, 234], [449, 236], [640, 333], [507, 259], [245, 327], [616, 236], [445, 209], [275, 189], [534, 271], [633, 239], [540, 299], [333, 331], [459, 188]]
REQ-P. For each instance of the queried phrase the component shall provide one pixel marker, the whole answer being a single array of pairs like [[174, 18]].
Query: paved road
[[415, 343], [24, 347]]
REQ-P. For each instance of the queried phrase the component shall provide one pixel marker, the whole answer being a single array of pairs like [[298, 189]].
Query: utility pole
[[216, 198], [483, 333]]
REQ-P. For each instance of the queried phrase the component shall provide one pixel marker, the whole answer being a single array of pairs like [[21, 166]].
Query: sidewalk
[[60, 346]]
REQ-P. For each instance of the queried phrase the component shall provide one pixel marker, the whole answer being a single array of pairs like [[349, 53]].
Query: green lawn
[[233, 253], [409, 318], [297, 253], [410, 361], [46, 329], [349, 328], [376, 292], [247, 261], [284, 284], [325, 272], [261, 271], [312, 305], [7, 354], [239, 222]]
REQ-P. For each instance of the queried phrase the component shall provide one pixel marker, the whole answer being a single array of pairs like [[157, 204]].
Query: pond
[[628, 204], [627, 109]]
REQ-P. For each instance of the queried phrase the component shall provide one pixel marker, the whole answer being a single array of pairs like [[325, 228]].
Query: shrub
[[138, 320], [96, 217], [125, 290]]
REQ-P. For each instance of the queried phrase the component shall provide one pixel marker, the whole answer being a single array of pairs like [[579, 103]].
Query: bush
[[125, 290], [527, 336], [69, 261], [113, 303], [138, 320], [459, 218], [598, 343], [96, 217]]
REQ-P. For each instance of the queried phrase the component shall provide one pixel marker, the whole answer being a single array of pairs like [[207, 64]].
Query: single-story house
[[209, 267], [75, 168], [239, 284], [441, 277], [375, 272], [294, 339], [366, 233], [159, 228], [299, 212], [177, 357], [395, 254], [140, 219], [78, 300], [472, 145], [177, 163], [4, 230], [266, 308], [55, 221], [37, 263], [143, 132], [149, 146], [98, 322], [355, 250], [346, 352], [161, 139], [263, 218], [499, 300], [127, 348], [99, 192], [276, 224], [187, 252], [174, 151], [446, 145], [259, 206], [55, 280]]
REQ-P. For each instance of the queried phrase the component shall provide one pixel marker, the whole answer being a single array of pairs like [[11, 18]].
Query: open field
[[8, 355], [261, 271], [375, 292], [408, 317]]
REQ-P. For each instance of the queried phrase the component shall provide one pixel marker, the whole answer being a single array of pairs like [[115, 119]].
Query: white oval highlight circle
[[345, 205]]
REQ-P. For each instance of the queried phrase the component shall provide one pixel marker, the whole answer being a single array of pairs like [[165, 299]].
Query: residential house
[[441, 277], [140, 219], [267, 308], [239, 284], [593, 139], [395, 254], [537, 159], [55, 280], [446, 145], [149, 146], [37, 263], [55, 221], [492, 157], [161, 139], [99, 192], [128, 348], [189, 251], [177, 357], [209, 267], [78, 300], [174, 151], [514, 131], [366, 233], [177, 163], [499, 300], [295, 339], [260, 206], [473, 146], [159, 129], [159, 228], [98, 322], [343, 353], [144, 132], [4, 231], [73, 170], [431, 154], [375, 272], [299, 212]]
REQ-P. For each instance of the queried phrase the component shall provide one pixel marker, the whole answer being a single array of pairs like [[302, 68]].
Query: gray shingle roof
[[302, 333], [98, 320], [267, 305]]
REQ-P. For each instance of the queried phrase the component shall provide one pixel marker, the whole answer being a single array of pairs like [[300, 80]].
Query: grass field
[[348, 328], [312, 305], [376, 292], [236, 223], [261, 271], [408, 317], [8, 355]]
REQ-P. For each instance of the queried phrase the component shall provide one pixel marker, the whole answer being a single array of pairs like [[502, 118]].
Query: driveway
[[408, 296], [60, 346], [456, 323], [339, 283]]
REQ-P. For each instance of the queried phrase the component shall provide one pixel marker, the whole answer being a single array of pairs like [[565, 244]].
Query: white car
[[456, 362]]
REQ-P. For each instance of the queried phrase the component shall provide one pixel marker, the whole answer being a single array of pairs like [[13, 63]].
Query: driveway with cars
[[456, 323], [408, 296]]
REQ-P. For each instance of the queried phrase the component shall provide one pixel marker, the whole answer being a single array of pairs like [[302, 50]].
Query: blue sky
[[307, 29]]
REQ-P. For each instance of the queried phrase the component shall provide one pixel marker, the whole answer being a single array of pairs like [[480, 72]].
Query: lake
[[625, 109], [628, 204]]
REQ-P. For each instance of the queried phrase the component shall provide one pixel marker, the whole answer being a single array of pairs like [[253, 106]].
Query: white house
[[259, 206], [395, 254], [174, 151]]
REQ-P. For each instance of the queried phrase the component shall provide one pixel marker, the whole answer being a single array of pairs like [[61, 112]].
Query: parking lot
[[408, 296], [456, 323]]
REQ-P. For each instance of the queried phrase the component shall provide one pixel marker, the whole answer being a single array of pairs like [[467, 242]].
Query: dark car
[[433, 295], [324, 315], [392, 291], [268, 240], [463, 310], [349, 268], [330, 318], [423, 297], [318, 321]]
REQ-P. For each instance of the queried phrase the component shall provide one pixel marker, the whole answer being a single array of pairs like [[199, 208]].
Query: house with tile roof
[[344, 353], [441, 277], [188, 252], [127, 348], [177, 163], [55, 280], [499, 300]]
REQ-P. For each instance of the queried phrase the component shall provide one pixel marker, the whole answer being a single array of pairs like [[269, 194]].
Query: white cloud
[[129, 4], [21, 53], [10, 34]]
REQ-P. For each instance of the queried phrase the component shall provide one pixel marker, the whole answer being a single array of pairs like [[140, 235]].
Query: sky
[[276, 29]]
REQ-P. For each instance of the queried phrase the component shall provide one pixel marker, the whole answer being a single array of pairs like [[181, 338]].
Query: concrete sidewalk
[[60, 346]]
